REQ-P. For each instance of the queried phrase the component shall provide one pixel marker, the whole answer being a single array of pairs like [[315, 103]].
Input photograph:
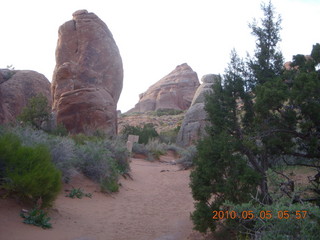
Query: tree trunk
[[265, 196]]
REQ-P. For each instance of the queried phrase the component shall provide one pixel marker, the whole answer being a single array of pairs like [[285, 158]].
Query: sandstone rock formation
[[88, 76], [174, 91], [16, 88], [195, 120]]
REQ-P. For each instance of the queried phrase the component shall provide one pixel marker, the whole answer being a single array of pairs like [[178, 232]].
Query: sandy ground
[[155, 205]]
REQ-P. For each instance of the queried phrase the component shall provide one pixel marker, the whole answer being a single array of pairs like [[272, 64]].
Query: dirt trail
[[155, 205]]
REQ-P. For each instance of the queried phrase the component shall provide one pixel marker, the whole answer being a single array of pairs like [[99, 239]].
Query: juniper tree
[[233, 159]]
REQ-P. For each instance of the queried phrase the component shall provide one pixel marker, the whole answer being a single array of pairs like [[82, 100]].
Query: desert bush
[[109, 185], [78, 193], [168, 111], [102, 162], [59, 130], [36, 112], [156, 148], [282, 220], [29, 172], [145, 133], [63, 155], [186, 156], [119, 152], [62, 149], [140, 149], [96, 157], [36, 217], [169, 136], [81, 138]]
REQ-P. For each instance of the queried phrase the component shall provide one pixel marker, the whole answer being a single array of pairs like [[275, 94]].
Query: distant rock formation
[[195, 120], [16, 88], [88, 76], [174, 91]]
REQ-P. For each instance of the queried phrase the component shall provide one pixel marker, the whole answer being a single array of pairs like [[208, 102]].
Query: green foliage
[[187, 156], [60, 130], [156, 148], [62, 149], [169, 136], [222, 173], [81, 138], [315, 54], [36, 217], [284, 220], [145, 133], [168, 111], [234, 157], [36, 112], [78, 193], [96, 157], [29, 172], [102, 162], [268, 60], [109, 185]]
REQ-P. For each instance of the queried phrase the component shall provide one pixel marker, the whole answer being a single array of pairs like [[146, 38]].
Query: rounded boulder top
[[80, 12], [209, 78]]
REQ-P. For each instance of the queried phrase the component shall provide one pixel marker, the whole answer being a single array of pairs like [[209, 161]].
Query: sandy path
[[154, 205]]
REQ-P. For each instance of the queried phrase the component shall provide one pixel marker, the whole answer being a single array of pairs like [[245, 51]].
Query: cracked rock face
[[195, 121], [16, 88], [88, 76], [174, 91]]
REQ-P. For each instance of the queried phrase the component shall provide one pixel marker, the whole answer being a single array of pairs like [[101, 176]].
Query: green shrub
[[62, 149], [28, 171], [169, 136], [140, 149], [36, 217], [102, 162], [168, 111], [81, 138], [36, 112], [109, 185], [59, 130], [187, 156], [156, 148], [119, 153], [285, 220], [78, 193], [145, 133], [97, 158]]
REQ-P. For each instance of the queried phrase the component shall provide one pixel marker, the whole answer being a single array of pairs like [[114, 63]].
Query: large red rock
[[88, 76], [16, 88], [174, 91]]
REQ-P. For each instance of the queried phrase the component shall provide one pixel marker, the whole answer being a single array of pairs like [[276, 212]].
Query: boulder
[[174, 91], [16, 88], [195, 120], [88, 77]]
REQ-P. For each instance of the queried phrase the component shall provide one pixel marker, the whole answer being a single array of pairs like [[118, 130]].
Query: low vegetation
[[37, 111], [28, 172], [78, 193], [145, 133], [167, 111], [34, 163], [37, 217]]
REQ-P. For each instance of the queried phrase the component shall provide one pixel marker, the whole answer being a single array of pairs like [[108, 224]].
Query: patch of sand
[[155, 205]]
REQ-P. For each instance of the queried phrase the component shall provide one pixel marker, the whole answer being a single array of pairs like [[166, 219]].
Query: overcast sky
[[153, 36]]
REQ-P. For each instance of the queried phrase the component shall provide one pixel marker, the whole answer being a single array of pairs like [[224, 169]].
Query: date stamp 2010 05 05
[[219, 215]]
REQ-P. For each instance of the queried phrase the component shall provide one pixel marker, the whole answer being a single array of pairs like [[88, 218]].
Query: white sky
[[154, 36]]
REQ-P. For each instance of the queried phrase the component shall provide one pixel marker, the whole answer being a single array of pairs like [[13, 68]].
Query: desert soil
[[154, 205]]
